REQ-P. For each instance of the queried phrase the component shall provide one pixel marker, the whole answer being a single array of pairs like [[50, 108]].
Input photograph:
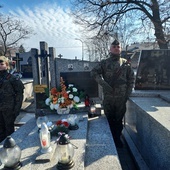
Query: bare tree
[[104, 15], [11, 32]]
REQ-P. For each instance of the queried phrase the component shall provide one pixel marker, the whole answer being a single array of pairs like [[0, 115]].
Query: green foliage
[[46, 91]]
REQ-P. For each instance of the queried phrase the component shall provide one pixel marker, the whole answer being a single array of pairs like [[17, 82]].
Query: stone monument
[[42, 73], [154, 70]]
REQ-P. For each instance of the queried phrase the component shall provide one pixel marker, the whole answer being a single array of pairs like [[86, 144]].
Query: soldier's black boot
[[118, 143], [117, 133]]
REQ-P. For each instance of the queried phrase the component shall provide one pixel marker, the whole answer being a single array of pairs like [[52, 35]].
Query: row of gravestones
[[153, 71]]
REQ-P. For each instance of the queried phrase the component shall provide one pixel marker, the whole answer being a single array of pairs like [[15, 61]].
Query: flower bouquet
[[63, 98], [60, 126]]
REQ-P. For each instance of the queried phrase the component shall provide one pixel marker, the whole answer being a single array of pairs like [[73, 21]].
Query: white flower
[[52, 106], [70, 106], [70, 85], [47, 101], [59, 100], [76, 99], [68, 91], [56, 106], [74, 89], [62, 99], [70, 96]]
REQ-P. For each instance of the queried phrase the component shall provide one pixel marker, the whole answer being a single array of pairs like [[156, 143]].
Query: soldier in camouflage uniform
[[11, 96], [116, 77]]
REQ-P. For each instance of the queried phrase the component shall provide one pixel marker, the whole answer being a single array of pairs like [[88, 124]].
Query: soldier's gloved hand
[[104, 84], [107, 88]]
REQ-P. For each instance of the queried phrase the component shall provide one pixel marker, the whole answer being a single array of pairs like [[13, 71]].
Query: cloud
[[54, 25]]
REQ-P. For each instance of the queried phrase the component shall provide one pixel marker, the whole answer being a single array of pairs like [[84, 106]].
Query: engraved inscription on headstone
[[154, 70]]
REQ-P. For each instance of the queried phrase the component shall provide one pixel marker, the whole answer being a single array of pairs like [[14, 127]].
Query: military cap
[[115, 42]]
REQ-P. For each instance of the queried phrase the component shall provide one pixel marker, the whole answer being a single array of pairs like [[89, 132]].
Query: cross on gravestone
[[17, 59], [43, 57], [60, 56]]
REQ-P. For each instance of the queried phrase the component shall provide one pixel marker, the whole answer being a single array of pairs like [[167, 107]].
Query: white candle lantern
[[11, 154], [92, 111], [45, 139]]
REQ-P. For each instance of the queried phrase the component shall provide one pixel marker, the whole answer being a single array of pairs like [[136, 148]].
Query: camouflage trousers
[[7, 119], [114, 109]]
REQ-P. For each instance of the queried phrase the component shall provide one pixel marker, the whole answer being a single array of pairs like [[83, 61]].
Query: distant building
[[10, 53]]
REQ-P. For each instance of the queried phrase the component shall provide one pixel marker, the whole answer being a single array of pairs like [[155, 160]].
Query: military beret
[[115, 42]]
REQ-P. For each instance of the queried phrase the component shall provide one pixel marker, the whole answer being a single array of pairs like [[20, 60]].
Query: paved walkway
[[125, 157]]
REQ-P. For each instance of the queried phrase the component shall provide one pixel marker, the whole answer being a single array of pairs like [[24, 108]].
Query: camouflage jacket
[[11, 92], [115, 76]]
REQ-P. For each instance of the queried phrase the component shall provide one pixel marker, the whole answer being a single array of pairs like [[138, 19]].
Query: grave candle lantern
[[45, 139], [72, 122], [64, 153], [42, 118], [92, 110], [11, 154]]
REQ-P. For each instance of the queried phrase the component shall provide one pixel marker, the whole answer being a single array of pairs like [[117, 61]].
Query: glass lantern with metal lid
[[64, 153], [10, 154]]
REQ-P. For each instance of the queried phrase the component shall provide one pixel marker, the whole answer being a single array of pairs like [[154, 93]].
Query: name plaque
[[40, 88]]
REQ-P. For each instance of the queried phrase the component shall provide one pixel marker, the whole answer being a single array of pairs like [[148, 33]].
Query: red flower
[[62, 123], [66, 124], [59, 122]]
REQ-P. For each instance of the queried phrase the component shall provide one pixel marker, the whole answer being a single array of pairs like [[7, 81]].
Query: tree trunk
[[156, 20], [160, 36]]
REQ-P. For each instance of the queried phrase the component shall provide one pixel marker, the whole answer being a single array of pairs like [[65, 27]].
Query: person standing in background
[[11, 97], [116, 77]]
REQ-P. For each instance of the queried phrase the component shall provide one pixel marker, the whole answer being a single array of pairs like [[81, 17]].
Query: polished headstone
[[154, 70]]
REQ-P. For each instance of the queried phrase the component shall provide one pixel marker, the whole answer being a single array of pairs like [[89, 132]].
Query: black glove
[[105, 85]]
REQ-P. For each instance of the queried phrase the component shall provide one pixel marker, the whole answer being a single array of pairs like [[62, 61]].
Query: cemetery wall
[[78, 73]]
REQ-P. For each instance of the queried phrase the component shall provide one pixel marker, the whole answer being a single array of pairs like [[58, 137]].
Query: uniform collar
[[115, 57]]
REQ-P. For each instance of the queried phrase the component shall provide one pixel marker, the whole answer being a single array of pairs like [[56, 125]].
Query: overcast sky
[[51, 22]]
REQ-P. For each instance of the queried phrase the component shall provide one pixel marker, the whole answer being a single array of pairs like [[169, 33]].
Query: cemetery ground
[[28, 111]]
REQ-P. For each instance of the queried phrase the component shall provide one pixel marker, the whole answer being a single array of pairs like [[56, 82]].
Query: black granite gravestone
[[26, 71], [83, 81], [154, 70]]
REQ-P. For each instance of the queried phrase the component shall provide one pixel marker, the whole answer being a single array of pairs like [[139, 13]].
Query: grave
[[153, 71], [92, 153], [147, 128], [24, 64], [17, 59], [48, 69]]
